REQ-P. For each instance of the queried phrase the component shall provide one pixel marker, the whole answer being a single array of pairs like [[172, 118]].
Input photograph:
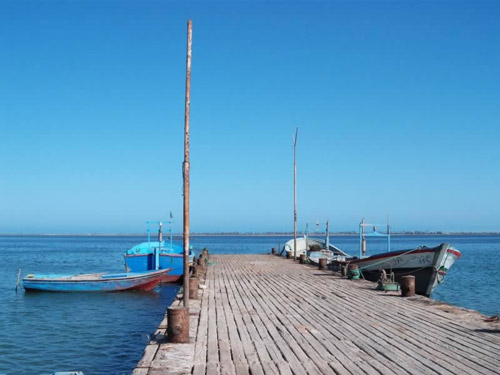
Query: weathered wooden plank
[[200, 351], [212, 340], [265, 315], [140, 371], [447, 360], [317, 340], [148, 356], [308, 281], [350, 324], [255, 349], [225, 354], [342, 327], [290, 349]]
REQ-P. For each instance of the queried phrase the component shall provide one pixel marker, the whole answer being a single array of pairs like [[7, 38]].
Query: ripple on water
[[102, 333], [96, 333]]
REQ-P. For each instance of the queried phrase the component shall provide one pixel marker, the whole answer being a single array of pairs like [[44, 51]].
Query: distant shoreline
[[279, 234]]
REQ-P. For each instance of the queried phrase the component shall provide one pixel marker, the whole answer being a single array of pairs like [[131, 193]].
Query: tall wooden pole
[[186, 166], [295, 193]]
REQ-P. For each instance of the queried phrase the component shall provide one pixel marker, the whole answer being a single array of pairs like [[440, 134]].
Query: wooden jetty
[[262, 314]]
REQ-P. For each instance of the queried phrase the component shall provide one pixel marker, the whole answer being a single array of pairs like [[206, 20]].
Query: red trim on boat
[[170, 278], [147, 286], [454, 252]]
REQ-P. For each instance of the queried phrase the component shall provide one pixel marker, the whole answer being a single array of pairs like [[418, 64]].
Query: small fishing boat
[[158, 255], [315, 255], [429, 265], [316, 248], [94, 282]]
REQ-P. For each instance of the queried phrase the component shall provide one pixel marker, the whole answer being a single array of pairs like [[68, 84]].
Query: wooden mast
[[295, 193], [186, 165]]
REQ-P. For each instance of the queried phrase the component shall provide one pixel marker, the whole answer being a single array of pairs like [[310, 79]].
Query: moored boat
[[94, 282], [429, 265], [315, 255], [306, 245], [157, 255], [315, 248]]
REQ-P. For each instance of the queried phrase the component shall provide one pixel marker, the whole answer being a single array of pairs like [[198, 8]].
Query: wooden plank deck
[[262, 314]]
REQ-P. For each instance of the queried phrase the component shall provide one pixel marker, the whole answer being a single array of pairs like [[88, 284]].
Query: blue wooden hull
[[143, 258], [146, 262], [95, 282]]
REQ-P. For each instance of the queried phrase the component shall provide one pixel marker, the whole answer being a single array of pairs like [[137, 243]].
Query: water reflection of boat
[[94, 282]]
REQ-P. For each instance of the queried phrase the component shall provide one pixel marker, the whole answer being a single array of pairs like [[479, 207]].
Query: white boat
[[429, 265], [315, 255], [308, 246]]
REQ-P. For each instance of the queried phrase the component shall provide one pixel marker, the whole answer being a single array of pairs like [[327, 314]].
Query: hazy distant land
[[249, 234]]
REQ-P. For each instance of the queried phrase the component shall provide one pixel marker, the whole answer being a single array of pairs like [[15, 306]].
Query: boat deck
[[262, 314]]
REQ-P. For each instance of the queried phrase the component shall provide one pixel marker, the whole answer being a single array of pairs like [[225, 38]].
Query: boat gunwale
[[417, 250], [145, 275]]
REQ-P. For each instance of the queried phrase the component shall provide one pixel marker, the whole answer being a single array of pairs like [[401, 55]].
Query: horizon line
[[248, 234]]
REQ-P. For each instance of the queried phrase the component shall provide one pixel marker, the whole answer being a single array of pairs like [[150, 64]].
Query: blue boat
[[158, 255], [94, 282]]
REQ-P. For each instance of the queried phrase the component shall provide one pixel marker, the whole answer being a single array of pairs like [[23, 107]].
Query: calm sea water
[[104, 333]]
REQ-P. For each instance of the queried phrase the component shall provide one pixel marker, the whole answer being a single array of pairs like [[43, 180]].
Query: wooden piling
[[201, 264], [193, 288], [302, 258], [343, 270], [322, 263], [194, 270], [273, 251], [178, 325], [242, 323], [408, 286]]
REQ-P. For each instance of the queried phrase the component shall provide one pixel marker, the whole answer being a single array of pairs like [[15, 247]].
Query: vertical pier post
[[178, 324], [322, 263], [295, 193], [408, 286], [193, 288], [186, 167]]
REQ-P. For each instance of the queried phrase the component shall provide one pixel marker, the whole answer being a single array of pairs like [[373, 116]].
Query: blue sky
[[397, 105]]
